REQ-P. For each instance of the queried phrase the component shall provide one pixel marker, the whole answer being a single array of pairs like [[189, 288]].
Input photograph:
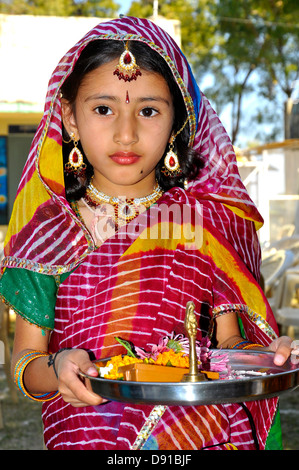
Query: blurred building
[[270, 173], [294, 121]]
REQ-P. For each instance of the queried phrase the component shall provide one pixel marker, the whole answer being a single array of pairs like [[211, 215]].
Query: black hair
[[99, 52]]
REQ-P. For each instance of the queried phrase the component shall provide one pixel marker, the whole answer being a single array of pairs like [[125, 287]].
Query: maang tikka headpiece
[[127, 69]]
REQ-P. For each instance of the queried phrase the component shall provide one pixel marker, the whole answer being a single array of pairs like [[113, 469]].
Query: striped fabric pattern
[[140, 293]]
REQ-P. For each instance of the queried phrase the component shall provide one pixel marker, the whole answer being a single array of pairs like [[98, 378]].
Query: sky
[[125, 5]]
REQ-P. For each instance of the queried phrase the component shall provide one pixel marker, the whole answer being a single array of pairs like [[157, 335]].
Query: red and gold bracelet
[[19, 374]]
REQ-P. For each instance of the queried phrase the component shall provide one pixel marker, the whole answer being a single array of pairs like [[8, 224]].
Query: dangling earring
[[75, 164], [171, 162]]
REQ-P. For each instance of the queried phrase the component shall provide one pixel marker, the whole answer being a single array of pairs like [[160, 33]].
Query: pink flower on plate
[[156, 349]]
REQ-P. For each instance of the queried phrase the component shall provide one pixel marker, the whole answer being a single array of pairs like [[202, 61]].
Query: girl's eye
[[148, 112], [103, 110]]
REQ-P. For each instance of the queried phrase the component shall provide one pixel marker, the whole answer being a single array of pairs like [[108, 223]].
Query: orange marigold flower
[[119, 361], [172, 358]]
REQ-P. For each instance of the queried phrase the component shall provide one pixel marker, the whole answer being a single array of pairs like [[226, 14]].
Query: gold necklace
[[125, 210]]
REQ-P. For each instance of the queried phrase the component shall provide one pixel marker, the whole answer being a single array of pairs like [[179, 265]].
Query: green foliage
[[197, 30], [127, 345], [260, 40], [175, 345], [142, 9], [99, 8]]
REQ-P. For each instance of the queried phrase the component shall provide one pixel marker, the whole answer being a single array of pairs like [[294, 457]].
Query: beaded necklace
[[111, 213], [125, 210]]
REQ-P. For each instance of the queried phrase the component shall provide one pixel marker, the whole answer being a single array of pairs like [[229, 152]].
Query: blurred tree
[[99, 8], [241, 49], [197, 29], [280, 66], [260, 40], [143, 9]]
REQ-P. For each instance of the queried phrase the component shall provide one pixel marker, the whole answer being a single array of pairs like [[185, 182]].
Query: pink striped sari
[[138, 289]]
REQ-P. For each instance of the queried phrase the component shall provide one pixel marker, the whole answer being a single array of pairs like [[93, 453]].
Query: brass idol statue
[[191, 330]]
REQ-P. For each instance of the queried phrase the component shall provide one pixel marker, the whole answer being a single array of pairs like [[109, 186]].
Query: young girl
[[125, 133]]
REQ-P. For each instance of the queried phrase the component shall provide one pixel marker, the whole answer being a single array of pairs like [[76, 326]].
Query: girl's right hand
[[70, 385]]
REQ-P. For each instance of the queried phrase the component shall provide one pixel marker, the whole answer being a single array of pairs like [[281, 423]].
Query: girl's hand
[[283, 347], [70, 385]]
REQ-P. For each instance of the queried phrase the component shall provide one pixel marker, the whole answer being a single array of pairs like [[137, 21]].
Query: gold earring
[[171, 162], [171, 166], [75, 164]]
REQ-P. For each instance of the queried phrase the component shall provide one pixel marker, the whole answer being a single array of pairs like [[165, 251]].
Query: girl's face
[[124, 128]]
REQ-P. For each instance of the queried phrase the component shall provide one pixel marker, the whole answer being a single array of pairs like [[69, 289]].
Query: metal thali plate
[[257, 378]]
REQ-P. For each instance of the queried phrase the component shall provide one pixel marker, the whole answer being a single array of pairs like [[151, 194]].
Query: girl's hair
[[99, 52]]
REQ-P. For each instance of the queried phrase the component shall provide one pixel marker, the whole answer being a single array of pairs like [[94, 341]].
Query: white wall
[[31, 47]]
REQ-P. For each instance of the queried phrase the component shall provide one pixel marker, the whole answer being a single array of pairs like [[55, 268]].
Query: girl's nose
[[126, 131]]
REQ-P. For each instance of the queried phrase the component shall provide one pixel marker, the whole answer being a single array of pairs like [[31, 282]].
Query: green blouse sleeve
[[31, 295]]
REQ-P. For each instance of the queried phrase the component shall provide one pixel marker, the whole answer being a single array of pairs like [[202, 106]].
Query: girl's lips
[[124, 158]]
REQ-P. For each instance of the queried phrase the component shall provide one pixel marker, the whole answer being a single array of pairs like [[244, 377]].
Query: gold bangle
[[19, 374], [253, 346]]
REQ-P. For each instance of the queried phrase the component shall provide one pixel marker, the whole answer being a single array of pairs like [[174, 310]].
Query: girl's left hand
[[282, 347]]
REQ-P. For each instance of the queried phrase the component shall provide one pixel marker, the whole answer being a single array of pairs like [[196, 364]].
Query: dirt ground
[[22, 427]]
